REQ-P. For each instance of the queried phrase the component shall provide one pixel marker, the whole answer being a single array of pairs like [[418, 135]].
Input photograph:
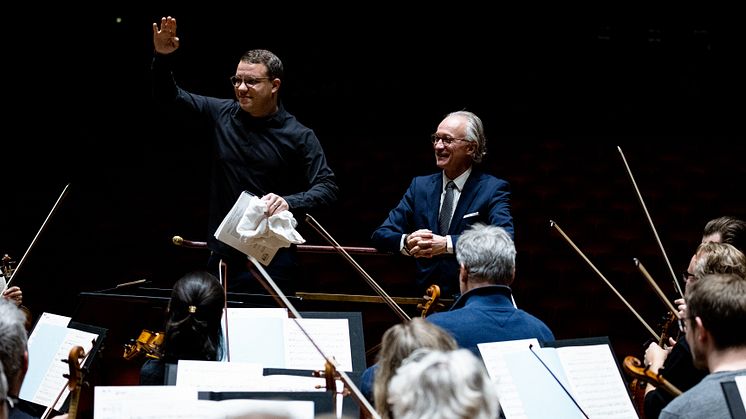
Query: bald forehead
[[453, 122]]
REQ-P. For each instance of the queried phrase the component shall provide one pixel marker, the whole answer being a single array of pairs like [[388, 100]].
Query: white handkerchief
[[473, 214], [274, 232]]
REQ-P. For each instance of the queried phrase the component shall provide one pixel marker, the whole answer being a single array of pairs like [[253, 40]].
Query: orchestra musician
[[442, 385], [715, 315], [675, 362], [413, 227], [397, 343], [14, 357], [485, 311], [193, 328]]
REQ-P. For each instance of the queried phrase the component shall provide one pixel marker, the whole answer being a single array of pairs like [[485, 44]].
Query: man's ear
[[24, 365], [463, 273], [512, 277], [700, 332]]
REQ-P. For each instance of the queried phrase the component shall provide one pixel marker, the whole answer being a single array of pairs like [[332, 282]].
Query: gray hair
[[474, 133], [488, 253], [399, 341], [443, 385], [13, 338], [3, 388]]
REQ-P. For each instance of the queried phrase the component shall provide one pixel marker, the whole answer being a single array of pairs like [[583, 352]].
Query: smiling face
[[257, 94], [454, 158]]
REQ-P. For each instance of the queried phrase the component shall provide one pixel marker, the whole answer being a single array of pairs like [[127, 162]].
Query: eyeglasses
[[249, 81], [686, 276], [434, 138]]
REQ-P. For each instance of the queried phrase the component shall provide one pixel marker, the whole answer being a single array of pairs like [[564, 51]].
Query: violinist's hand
[[275, 204], [681, 306], [165, 40], [14, 294], [655, 356]]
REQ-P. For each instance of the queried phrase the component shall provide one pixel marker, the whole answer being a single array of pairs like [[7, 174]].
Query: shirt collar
[[460, 181]]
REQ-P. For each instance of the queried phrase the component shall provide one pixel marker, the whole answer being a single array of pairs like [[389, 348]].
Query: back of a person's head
[[398, 342], [731, 230], [3, 393], [719, 258], [442, 385], [13, 338], [488, 253], [720, 301], [193, 329]]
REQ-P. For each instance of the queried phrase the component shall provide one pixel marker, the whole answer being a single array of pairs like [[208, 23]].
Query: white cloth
[[273, 232]]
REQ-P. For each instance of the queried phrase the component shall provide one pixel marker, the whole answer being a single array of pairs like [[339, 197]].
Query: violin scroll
[[634, 367], [431, 297], [74, 378]]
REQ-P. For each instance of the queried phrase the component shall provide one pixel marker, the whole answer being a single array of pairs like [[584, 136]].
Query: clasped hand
[[424, 244]]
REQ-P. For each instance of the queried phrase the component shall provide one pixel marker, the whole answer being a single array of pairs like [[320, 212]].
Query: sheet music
[[493, 356], [49, 343], [228, 234], [166, 402], [588, 372], [217, 375], [595, 381], [283, 344], [332, 336], [541, 395]]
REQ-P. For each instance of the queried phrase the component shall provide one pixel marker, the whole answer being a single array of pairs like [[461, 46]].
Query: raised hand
[[165, 40]]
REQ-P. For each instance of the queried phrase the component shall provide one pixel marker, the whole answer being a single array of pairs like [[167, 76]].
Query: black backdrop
[[558, 92]]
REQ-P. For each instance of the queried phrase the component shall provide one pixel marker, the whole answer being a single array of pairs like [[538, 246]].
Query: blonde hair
[[398, 343]]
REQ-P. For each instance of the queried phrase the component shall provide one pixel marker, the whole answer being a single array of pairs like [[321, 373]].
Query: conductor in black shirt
[[257, 146]]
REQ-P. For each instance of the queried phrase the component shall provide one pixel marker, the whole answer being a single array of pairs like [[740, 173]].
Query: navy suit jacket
[[486, 314], [484, 199]]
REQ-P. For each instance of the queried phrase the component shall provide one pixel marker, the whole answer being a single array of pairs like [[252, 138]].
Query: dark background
[[558, 91]]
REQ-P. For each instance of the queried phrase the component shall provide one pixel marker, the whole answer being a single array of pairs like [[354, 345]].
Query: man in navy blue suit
[[485, 311], [413, 228]]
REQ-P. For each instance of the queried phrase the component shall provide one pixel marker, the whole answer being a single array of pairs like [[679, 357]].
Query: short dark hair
[[720, 301], [732, 230], [275, 69]]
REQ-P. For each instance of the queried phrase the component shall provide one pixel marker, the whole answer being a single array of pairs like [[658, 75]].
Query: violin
[[634, 367], [74, 379], [76, 357], [148, 342], [432, 295]]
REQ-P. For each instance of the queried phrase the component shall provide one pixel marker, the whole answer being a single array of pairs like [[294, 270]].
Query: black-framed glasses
[[686, 276], [434, 138], [249, 81]]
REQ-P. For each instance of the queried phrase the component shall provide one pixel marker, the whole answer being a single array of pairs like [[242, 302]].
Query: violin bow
[[677, 287], [23, 258], [377, 288], [647, 326], [330, 362]]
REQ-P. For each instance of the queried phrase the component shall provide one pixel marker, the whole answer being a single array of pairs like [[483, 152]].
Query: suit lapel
[[465, 200], [433, 201]]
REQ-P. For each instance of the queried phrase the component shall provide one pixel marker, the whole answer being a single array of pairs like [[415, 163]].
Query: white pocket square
[[473, 214]]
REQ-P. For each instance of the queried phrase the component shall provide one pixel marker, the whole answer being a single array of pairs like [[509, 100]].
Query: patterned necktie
[[444, 219]]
